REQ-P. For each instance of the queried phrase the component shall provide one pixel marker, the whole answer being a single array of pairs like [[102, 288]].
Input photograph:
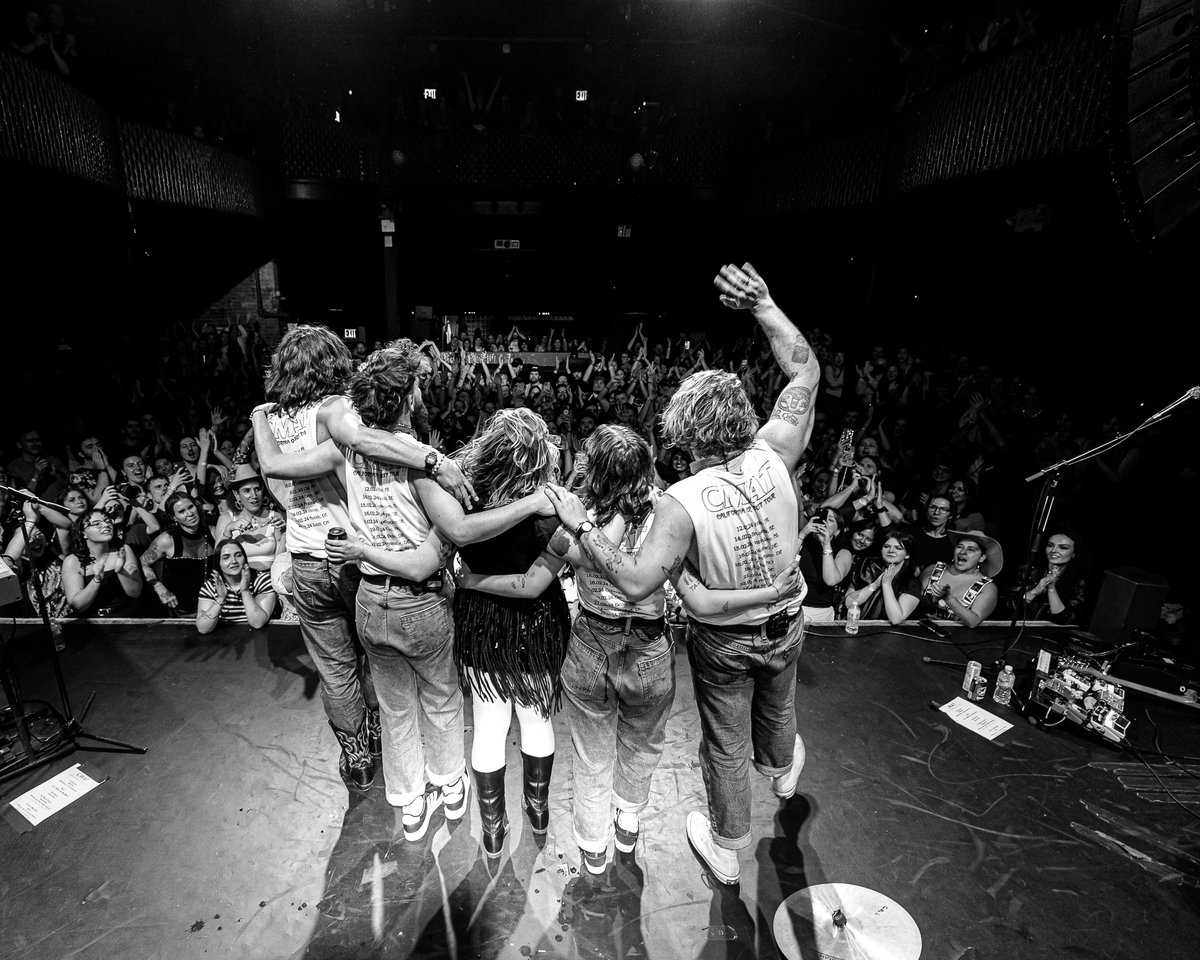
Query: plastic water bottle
[[852, 614], [1002, 693]]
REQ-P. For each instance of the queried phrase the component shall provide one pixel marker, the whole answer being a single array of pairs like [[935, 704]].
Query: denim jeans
[[409, 641], [618, 689], [324, 596], [746, 697]]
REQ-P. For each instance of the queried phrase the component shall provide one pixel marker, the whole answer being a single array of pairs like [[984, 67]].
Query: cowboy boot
[[535, 798], [489, 790], [374, 733], [355, 765]]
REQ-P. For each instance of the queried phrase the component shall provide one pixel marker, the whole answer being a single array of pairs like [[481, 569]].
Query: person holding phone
[[818, 566]]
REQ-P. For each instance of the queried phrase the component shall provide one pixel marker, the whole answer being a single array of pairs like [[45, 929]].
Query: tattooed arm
[[660, 557], [532, 583], [790, 425], [702, 601]]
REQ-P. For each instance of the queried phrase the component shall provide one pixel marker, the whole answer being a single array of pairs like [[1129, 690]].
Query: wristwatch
[[583, 528], [432, 458]]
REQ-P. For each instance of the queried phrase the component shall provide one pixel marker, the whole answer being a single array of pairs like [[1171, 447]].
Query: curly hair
[[511, 457], [619, 474], [710, 415], [382, 384], [309, 364], [79, 542]]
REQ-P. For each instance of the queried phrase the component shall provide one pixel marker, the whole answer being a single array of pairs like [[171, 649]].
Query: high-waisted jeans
[[409, 639], [618, 689]]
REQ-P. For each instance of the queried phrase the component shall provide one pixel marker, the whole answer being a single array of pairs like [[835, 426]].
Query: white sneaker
[[626, 827], [785, 784], [454, 798], [722, 863], [416, 815]]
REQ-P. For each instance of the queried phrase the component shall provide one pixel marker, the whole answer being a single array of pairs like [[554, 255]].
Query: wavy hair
[[710, 415], [309, 364], [619, 474], [381, 386], [510, 457]]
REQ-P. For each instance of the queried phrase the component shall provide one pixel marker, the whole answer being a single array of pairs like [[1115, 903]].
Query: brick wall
[[240, 304]]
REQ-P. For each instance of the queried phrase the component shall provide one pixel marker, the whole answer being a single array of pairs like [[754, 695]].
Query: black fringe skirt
[[515, 647]]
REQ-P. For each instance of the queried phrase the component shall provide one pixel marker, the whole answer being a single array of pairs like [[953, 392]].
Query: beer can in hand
[[336, 533]]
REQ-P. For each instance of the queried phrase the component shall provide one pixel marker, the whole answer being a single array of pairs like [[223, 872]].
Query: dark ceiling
[[823, 58]]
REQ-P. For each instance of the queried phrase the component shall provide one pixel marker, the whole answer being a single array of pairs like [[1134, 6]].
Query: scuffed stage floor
[[234, 837]]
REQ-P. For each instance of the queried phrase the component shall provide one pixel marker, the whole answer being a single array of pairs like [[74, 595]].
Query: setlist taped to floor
[[975, 718], [46, 799]]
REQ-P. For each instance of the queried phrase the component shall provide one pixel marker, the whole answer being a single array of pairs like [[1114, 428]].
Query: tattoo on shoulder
[[793, 404], [800, 350], [150, 555]]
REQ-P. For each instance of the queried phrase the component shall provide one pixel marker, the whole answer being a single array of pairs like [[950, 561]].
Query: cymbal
[[843, 921]]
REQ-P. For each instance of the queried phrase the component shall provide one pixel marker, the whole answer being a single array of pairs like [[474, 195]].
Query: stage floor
[[234, 837]]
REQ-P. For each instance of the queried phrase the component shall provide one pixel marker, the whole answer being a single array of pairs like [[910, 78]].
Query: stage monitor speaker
[[10, 586], [1156, 117], [1130, 599]]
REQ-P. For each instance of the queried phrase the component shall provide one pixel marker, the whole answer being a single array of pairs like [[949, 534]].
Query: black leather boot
[[489, 791], [356, 767], [374, 733], [535, 798]]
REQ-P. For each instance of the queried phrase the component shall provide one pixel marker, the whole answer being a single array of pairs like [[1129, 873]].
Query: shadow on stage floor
[[234, 836]]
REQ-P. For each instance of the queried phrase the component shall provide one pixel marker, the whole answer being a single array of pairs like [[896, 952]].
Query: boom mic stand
[[1053, 473], [72, 726]]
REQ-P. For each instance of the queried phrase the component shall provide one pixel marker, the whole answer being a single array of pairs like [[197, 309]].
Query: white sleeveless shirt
[[315, 505], [746, 523], [383, 506], [601, 596]]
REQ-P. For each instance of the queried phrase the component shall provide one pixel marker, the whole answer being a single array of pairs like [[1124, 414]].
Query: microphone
[[933, 628], [1194, 393]]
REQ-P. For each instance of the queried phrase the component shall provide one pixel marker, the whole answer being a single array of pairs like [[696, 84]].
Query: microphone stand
[[72, 726], [1045, 505]]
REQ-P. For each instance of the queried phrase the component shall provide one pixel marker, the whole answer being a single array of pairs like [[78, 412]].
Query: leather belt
[[388, 581], [780, 622], [307, 556], [629, 623]]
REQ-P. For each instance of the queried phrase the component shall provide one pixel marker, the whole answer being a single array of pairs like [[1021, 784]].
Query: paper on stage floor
[[48, 798], [966, 714]]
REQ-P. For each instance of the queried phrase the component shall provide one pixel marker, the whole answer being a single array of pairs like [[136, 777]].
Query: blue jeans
[[409, 639], [746, 696], [324, 597], [618, 689]]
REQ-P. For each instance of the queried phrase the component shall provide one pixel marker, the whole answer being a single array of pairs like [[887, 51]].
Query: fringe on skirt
[[515, 647]]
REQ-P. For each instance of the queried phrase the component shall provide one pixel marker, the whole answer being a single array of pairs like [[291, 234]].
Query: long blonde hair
[[511, 457]]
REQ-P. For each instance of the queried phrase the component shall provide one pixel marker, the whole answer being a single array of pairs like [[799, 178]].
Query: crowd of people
[[912, 448]]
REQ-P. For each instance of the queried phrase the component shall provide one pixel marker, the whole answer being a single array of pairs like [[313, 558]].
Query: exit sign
[[506, 244]]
